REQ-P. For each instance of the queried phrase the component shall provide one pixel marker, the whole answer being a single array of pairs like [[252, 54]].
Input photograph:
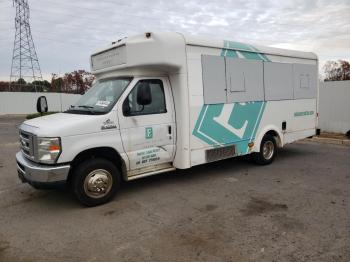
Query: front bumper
[[37, 174]]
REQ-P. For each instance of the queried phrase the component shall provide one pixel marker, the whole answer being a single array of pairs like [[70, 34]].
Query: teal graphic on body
[[232, 124], [248, 51], [217, 127]]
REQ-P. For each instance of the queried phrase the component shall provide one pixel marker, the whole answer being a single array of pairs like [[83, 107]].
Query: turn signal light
[[54, 148]]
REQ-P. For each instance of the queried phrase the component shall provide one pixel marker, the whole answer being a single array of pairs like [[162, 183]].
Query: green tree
[[42, 86]]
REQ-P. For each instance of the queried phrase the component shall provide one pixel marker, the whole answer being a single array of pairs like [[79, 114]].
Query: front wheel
[[95, 181], [267, 152]]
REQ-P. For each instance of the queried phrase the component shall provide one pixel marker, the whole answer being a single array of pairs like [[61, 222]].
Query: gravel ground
[[297, 209]]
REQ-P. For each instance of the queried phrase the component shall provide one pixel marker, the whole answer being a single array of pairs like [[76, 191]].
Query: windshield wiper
[[74, 110], [87, 107], [84, 106]]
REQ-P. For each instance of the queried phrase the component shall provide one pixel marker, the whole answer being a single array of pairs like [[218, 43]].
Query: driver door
[[148, 131]]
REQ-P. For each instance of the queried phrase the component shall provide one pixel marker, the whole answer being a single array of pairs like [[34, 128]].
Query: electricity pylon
[[25, 64]]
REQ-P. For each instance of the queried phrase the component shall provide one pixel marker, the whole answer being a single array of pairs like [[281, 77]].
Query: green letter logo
[[149, 132]]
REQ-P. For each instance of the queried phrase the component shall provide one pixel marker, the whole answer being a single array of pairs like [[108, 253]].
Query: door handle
[[169, 132]]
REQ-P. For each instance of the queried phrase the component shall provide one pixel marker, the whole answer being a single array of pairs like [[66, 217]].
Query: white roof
[[216, 43], [198, 41], [166, 51]]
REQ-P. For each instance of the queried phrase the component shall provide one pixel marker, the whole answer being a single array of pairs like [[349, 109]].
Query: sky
[[66, 32]]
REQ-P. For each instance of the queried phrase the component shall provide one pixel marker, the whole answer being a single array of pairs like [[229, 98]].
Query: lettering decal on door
[[148, 156]]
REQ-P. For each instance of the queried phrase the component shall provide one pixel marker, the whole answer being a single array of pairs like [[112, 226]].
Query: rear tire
[[95, 181], [268, 150]]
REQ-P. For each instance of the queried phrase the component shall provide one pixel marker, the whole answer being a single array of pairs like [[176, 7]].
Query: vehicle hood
[[65, 124]]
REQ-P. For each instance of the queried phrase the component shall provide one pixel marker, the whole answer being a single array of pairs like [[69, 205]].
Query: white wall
[[334, 106], [25, 102]]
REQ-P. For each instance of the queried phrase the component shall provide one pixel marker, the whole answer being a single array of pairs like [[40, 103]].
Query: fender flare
[[109, 153], [274, 131]]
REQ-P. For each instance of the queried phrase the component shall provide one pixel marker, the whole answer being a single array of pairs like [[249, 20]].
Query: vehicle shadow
[[233, 167]]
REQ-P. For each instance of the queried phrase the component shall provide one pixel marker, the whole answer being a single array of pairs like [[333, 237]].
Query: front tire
[[95, 181], [268, 149]]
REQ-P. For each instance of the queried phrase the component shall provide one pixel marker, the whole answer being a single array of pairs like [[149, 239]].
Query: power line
[[82, 41], [131, 26], [60, 41], [99, 28], [98, 42], [137, 27], [74, 26], [123, 33], [115, 3], [62, 12]]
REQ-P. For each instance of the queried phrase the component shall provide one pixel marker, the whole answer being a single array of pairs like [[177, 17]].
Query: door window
[[157, 106]]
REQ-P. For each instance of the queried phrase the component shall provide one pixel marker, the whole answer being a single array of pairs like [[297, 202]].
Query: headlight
[[49, 149]]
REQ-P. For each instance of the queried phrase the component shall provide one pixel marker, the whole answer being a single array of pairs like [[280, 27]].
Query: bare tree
[[74, 82], [337, 70]]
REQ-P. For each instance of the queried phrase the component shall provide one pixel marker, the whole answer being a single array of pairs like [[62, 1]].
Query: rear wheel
[[95, 181], [267, 152]]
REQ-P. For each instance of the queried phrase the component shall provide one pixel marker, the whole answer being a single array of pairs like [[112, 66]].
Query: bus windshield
[[101, 97]]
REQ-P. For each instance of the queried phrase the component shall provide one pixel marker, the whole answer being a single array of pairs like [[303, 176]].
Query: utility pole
[[25, 63]]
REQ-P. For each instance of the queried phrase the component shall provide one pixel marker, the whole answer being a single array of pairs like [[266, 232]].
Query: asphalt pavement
[[296, 209]]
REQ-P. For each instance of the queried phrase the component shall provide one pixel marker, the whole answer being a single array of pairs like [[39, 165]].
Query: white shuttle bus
[[166, 101]]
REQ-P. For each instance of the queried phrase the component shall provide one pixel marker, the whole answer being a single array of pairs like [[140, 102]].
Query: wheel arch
[[108, 153], [271, 130]]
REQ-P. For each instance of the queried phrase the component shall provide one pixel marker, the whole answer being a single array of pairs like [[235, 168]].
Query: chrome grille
[[27, 144]]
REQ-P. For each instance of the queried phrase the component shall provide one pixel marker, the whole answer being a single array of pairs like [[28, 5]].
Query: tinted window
[[157, 106]]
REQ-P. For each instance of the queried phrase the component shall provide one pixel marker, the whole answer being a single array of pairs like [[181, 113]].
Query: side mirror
[[41, 104], [126, 107], [144, 95]]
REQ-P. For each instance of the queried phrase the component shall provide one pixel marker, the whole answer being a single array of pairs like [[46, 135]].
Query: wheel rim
[[268, 150], [98, 183]]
